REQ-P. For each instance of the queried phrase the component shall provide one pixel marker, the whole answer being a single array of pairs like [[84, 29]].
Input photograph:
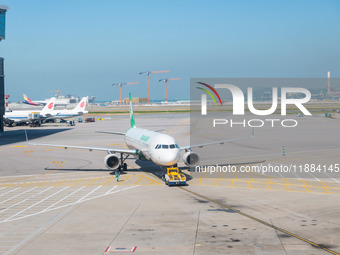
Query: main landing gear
[[122, 166]]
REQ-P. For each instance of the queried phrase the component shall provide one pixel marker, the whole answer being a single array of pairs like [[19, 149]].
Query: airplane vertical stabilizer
[[80, 107], [132, 119], [49, 107]]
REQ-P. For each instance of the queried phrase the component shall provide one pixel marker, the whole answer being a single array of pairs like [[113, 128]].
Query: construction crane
[[121, 84], [166, 86], [56, 91], [147, 79]]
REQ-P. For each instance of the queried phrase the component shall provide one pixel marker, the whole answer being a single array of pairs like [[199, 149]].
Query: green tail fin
[[132, 119]]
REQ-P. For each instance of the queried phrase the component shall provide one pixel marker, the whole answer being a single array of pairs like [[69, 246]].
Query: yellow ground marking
[[269, 179], [323, 183], [29, 153], [193, 127], [138, 180], [57, 184], [306, 188], [199, 183], [235, 176], [215, 182], [219, 174], [41, 184], [108, 181], [232, 184], [251, 176], [19, 146], [116, 144], [74, 183], [286, 180], [150, 179], [55, 162], [249, 185], [7, 185], [268, 185], [91, 181], [26, 184], [286, 187], [304, 182], [123, 180], [327, 190]]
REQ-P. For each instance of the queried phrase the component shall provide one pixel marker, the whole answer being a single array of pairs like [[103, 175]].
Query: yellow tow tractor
[[173, 177]]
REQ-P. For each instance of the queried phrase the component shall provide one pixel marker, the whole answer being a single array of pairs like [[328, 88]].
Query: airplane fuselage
[[162, 149]]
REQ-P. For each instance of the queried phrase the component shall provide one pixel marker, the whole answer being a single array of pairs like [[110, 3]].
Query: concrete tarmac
[[57, 201]]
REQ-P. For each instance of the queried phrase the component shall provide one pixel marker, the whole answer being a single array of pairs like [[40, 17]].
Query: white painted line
[[88, 194], [331, 177], [36, 203], [63, 199], [296, 175], [54, 181], [33, 214], [313, 176], [10, 191], [111, 190], [18, 195], [111, 193], [25, 200]]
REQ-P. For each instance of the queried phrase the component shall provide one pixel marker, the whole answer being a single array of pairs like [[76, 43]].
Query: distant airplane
[[77, 111], [145, 144], [30, 116], [27, 100]]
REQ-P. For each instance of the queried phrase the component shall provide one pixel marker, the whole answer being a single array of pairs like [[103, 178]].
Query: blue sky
[[81, 47]]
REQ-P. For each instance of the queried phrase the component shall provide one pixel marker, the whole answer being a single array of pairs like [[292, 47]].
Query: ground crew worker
[[117, 176]]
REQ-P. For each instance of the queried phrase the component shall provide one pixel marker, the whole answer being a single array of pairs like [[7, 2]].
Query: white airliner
[[77, 111], [27, 116], [144, 144]]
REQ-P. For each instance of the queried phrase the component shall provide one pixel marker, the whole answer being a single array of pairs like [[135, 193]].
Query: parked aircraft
[[77, 111], [33, 117], [145, 144]]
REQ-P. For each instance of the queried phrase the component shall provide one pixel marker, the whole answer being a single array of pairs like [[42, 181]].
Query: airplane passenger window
[[172, 146], [165, 146]]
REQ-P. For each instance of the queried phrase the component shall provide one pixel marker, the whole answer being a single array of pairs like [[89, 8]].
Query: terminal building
[[136, 100], [3, 10]]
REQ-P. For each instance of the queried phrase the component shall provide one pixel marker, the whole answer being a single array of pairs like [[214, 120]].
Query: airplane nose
[[168, 158]]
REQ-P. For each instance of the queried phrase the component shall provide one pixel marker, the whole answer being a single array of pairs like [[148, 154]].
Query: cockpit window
[[177, 146], [165, 146], [157, 146], [172, 146]]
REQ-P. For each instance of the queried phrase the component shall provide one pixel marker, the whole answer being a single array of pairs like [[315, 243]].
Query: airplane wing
[[109, 132], [109, 150], [213, 143], [120, 133]]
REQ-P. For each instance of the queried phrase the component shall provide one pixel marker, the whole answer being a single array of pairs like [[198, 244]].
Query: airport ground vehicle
[[174, 177]]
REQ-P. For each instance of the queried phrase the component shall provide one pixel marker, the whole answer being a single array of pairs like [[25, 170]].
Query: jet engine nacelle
[[191, 158], [111, 161]]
